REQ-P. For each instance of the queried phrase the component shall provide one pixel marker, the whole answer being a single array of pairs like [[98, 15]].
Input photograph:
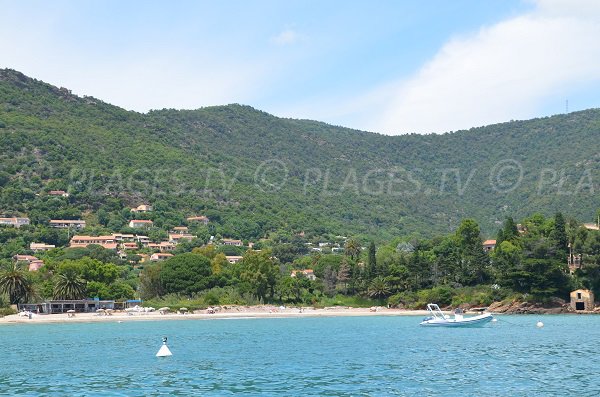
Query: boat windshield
[[435, 311]]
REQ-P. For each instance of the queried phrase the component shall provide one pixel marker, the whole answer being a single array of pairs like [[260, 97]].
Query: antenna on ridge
[[567, 106]]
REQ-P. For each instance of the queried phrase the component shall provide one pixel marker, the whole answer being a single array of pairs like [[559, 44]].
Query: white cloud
[[286, 37], [502, 72]]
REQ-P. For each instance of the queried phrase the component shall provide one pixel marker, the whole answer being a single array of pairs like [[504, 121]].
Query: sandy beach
[[229, 312]]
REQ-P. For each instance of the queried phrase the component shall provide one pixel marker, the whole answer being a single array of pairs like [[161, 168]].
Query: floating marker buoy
[[539, 324], [494, 320], [164, 349]]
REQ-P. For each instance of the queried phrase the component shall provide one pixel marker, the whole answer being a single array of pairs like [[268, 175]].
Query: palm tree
[[69, 285], [353, 248], [379, 288], [15, 283]]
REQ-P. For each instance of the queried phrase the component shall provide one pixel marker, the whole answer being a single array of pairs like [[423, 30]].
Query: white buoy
[[164, 349], [539, 324], [494, 320]]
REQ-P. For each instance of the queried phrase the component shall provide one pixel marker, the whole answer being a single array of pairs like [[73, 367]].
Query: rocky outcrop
[[556, 306]]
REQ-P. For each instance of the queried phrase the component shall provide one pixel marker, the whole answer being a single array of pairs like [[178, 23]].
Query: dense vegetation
[[412, 205], [256, 175], [529, 264]]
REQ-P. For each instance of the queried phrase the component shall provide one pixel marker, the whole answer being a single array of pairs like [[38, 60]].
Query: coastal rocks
[[556, 306]]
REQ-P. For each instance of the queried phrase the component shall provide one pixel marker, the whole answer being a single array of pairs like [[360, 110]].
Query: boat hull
[[475, 321]]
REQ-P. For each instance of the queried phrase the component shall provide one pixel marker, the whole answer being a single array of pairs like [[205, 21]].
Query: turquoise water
[[344, 356]]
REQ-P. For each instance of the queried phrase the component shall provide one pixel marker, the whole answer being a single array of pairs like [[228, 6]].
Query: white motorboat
[[439, 319]]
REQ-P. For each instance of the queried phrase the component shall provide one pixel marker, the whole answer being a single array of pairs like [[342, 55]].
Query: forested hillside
[[254, 174]]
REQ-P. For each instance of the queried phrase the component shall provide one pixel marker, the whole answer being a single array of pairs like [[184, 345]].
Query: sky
[[387, 66]]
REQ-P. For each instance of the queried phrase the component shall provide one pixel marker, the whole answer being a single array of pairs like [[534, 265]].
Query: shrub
[[7, 311]]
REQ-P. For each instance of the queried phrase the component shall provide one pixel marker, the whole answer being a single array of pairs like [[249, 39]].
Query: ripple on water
[[370, 356]]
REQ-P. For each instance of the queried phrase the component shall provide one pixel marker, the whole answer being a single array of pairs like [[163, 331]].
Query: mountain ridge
[[317, 177]]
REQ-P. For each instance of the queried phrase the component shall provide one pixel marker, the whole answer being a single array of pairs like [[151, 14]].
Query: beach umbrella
[[71, 311], [164, 309], [183, 309]]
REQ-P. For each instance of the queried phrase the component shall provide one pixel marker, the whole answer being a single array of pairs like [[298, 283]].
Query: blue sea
[[341, 356]]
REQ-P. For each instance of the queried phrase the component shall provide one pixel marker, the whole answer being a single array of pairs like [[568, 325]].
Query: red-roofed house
[[129, 246], [159, 256], [236, 243], [201, 219], [177, 238], [140, 223], [142, 208], [34, 263], [162, 246], [308, 273], [489, 245], [16, 222], [107, 242]]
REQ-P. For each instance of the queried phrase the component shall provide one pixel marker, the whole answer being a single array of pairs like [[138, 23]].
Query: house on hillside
[[489, 245], [129, 246], [308, 273], [35, 247], [582, 300], [235, 243], [142, 208], [180, 230], [201, 219], [234, 258], [135, 223], [159, 256], [16, 222], [177, 238], [67, 223], [34, 263], [60, 193], [162, 246], [108, 242]]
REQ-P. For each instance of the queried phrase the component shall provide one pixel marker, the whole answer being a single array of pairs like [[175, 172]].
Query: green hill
[[252, 173]]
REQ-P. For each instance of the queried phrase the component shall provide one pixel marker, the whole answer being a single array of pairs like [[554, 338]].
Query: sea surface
[[337, 356]]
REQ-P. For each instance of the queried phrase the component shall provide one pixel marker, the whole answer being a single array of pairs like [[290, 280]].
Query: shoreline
[[247, 313]]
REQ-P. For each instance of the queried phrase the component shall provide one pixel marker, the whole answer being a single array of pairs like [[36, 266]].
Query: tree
[[372, 262], [286, 253], [509, 232], [15, 283], [474, 260], [353, 248], [120, 290], [69, 285], [186, 274], [151, 285], [260, 271], [379, 288], [329, 280], [208, 251], [344, 274], [559, 234], [218, 263]]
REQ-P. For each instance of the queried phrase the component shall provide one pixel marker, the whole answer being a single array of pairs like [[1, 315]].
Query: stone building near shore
[[582, 300]]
